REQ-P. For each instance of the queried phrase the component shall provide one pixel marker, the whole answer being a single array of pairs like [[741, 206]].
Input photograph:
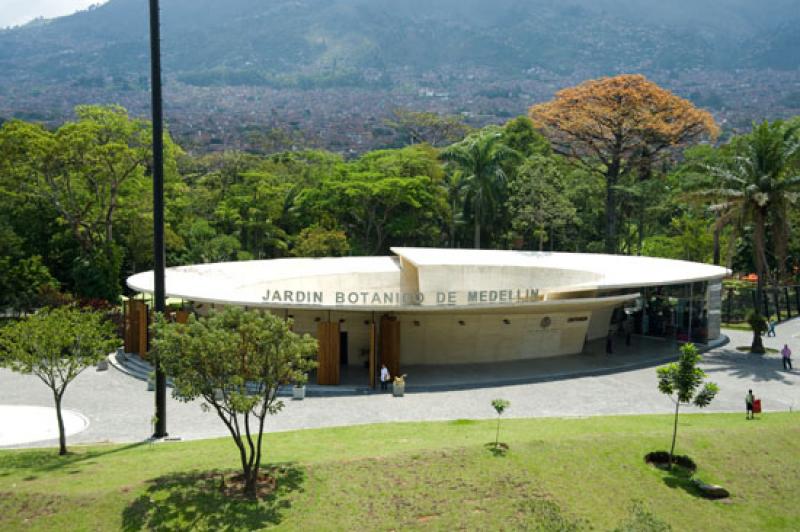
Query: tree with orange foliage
[[626, 124]]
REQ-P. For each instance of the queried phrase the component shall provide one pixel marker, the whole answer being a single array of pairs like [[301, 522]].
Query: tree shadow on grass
[[681, 478], [195, 501], [48, 460], [498, 449]]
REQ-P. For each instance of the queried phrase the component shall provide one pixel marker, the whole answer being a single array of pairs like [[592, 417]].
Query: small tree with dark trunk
[[683, 382], [759, 325], [235, 361], [500, 406], [56, 345]]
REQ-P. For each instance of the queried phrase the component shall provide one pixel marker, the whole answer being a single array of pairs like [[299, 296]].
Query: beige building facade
[[425, 306]]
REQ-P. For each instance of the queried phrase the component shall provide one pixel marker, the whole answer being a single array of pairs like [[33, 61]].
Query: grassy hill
[[563, 474]]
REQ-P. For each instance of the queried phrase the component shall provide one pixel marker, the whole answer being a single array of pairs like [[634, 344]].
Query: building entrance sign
[[390, 299]]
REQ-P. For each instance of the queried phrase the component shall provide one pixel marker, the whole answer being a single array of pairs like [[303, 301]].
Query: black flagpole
[[158, 206]]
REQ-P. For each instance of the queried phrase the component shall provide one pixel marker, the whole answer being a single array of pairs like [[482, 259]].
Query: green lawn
[[558, 474]]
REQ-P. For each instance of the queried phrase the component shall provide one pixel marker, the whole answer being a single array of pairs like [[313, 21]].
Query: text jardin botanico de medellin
[[389, 298]]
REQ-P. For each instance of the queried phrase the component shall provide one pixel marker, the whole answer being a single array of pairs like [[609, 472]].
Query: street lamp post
[[158, 206]]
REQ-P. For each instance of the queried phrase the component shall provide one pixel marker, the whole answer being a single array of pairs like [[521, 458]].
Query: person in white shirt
[[385, 377]]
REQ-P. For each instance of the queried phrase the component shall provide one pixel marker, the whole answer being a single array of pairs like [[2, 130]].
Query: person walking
[[771, 329], [749, 399], [787, 357], [385, 378]]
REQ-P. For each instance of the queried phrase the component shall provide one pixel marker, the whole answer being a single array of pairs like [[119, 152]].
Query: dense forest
[[612, 165]]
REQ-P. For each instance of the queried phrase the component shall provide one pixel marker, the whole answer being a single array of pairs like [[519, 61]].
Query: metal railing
[[782, 303]]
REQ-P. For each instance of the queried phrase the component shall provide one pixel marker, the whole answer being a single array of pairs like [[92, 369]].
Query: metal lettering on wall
[[375, 298]]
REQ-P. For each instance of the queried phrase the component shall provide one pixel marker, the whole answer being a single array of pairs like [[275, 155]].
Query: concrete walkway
[[641, 352], [120, 409]]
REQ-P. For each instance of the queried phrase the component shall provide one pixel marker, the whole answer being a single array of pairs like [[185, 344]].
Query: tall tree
[[386, 197], [480, 157], [537, 201], [616, 124], [87, 171], [318, 241], [56, 345], [520, 135], [376, 210], [757, 186]]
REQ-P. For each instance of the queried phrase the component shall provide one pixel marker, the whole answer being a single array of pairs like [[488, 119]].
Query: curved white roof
[[424, 278]]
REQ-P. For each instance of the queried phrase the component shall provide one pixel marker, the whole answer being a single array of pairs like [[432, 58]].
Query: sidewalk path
[[120, 409]]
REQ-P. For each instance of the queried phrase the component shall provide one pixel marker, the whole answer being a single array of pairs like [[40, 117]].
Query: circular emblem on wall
[[546, 321]]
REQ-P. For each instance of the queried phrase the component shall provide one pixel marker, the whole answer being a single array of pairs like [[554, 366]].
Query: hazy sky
[[15, 12]]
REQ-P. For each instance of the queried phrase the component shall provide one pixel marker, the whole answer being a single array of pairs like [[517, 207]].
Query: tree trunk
[[453, 225], [62, 436], [477, 226], [250, 483], [610, 244], [497, 434], [717, 230], [541, 241], [674, 434], [780, 243], [759, 250], [237, 439], [645, 173], [611, 207], [758, 345]]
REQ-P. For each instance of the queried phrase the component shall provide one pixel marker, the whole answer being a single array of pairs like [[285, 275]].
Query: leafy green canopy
[[235, 361], [684, 383], [481, 158], [759, 184], [88, 174], [56, 345]]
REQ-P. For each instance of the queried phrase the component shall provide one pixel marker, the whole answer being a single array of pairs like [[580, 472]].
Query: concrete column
[[714, 308]]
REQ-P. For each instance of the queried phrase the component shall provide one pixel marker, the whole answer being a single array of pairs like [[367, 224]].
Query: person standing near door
[[385, 378]]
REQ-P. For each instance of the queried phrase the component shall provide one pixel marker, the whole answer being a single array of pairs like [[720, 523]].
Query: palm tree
[[454, 185], [480, 158], [757, 186]]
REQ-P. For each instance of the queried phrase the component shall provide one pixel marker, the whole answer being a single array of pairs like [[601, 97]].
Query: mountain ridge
[[278, 74], [312, 37]]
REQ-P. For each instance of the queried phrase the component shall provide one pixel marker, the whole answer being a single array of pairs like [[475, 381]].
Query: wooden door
[[373, 354], [390, 344], [328, 354], [136, 327]]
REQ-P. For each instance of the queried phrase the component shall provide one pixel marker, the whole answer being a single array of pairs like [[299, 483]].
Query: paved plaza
[[119, 409]]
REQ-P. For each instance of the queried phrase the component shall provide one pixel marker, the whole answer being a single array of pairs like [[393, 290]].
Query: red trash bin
[[757, 406]]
